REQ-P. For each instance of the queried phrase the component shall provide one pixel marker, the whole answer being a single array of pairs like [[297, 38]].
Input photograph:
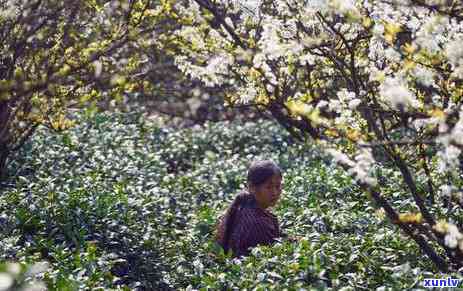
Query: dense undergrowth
[[119, 202]]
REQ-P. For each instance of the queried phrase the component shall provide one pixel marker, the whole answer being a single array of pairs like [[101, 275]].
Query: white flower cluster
[[9, 10], [448, 157], [424, 75], [13, 270], [395, 91], [249, 7], [446, 190], [422, 123], [247, 93], [360, 168], [364, 163], [317, 5], [454, 52], [340, 157], [191, 12], [259, 61], [199, 267], [349, 98], [333, 6], [344, 106], [344, 6], [193, 36], [382, 10], [453, 237], [431, 32], [214, 73], [272, 45]]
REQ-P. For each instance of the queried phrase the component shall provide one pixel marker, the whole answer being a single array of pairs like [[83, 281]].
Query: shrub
[[119, 202]]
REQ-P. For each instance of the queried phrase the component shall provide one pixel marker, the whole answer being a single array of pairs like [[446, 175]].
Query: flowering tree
[[376, 83], [56, 55]]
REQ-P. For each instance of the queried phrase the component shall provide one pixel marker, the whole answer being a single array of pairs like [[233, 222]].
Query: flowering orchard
[[57, 55], [377, 84]]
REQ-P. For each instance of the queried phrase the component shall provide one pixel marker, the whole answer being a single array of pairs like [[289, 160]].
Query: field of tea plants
[[120, 202]]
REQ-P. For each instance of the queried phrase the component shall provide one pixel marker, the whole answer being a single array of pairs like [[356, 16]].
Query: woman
[[247, 222]]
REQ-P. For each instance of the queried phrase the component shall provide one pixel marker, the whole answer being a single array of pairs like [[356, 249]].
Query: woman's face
[[268, 193]]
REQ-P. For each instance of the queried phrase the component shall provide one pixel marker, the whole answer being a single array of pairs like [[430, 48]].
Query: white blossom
[[98, 68], [345, 95], [307, 59], [317, 5], [364, 163], [451, 241], [448, 158], [322, 103], [424, 75], [378, 30], [354, 103], [457, 131], [199, 267], [344, 6], [192, 35], [360, 167], [335, 105], [340, 157], [446, 190], [454, 52], [392, 55], [421, 123], [431, 33], [212, 74], [252, 6], [9, 10], [453, 236], [395, 91], [270, 42], [6, 281], [247, 94]]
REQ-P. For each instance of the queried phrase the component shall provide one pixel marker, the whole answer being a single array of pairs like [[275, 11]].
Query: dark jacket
[[252, 226]]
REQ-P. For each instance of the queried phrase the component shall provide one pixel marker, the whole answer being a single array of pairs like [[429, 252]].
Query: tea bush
[[119, 202]]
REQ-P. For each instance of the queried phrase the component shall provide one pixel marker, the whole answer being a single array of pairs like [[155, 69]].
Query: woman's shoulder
[[250, 213], [254, 216], [253, 227]]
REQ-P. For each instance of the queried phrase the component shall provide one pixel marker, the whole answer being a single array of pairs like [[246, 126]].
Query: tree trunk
[[5, 139], [3, 160]]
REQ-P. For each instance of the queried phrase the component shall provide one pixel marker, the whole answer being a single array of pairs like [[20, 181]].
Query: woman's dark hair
[[258, 172], [261, 171]]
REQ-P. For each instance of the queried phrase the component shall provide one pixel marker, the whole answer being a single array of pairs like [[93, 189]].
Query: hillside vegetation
[[120, 202]]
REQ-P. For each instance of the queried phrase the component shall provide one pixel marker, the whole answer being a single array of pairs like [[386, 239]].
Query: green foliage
[[119, 202]]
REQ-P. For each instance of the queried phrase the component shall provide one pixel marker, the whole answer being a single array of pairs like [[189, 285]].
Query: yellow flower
[[353, 134], [441, 226], [437, 113], [390, 31], [298, 107], [409, 48], [331, 132], [367, 22], [409, 65], [409, 217], [380, 213]]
